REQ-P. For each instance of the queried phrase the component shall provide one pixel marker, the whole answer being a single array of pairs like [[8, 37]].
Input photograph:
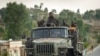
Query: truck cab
[[54, 41], [51, 41]]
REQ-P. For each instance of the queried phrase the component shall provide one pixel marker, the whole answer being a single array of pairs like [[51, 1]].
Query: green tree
[[45, 13], [66, 15], [41, 5], [54, 10], [78, 15], [97, 15], [89, 15], [37, 11], [46, 10], [36, 7], [16, 20], [2, 12]]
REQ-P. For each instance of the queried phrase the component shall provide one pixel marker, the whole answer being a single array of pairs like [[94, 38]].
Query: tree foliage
[[2, 12], [66, 15], [16, 20], [97, 15], [92, 14]]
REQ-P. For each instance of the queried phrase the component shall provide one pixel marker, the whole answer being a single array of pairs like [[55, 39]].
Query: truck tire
[[70, 52], [80, 55]]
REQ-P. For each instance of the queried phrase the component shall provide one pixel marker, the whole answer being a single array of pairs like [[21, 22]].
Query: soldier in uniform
[[52, 20], [29, 46], [41, 23], [73, 24]]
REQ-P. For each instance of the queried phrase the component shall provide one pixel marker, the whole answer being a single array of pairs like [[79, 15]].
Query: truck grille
[[46, 48]]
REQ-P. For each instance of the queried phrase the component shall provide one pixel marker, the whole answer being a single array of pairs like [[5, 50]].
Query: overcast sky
[[73, 5]]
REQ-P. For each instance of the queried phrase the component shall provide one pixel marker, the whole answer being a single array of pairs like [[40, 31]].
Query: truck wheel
[[80, 55], [70, 52]]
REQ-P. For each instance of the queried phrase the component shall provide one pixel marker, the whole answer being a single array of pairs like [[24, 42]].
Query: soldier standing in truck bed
[[52, 20]]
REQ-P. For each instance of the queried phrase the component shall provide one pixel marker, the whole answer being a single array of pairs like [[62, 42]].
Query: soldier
[[29, 43], [52, 20], [41, 23], [29, 46], [73, 24]]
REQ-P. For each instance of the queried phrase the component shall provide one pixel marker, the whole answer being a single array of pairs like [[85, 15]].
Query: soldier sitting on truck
[[41, 23], [52, 20]]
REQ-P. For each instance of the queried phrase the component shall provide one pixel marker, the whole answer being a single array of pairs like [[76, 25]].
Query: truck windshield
[[52, 33]]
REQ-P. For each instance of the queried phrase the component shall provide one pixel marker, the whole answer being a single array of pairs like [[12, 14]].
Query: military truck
[[54, 41]]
